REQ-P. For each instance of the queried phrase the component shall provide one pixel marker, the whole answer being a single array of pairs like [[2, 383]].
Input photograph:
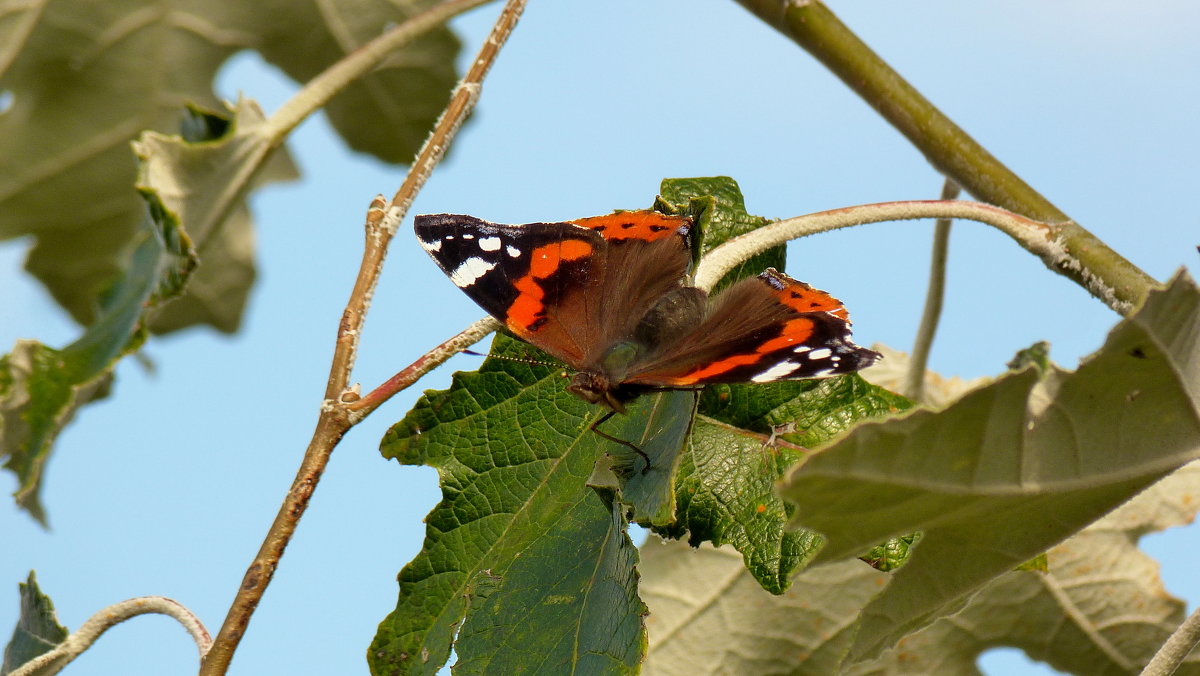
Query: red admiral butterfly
[[608, 296]]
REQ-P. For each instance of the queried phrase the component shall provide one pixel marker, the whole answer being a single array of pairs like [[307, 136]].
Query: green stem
[[951, 151], [914, 382]]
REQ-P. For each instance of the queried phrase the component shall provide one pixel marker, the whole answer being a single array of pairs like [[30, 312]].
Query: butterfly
[[609, 296]]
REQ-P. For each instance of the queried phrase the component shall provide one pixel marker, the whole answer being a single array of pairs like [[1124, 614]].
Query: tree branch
[[1046, 240], [1119, 283], [335, 416]]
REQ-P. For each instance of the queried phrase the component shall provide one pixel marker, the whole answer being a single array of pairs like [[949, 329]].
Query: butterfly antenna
[[627, 444], [519, 360]]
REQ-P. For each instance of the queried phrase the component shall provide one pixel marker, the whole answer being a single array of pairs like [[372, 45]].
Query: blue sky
[[167, 487]]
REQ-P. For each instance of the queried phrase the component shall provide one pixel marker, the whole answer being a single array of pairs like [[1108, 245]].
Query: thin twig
[[52, 662], [317, 92], [1102, 271], [273, 131], [335, 416], [914, 381], [413, 372], [1042, 239], [1176, 649]]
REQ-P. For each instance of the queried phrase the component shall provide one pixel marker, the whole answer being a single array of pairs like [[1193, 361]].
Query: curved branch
[[950, 149], [52, 662], [1046, 240]]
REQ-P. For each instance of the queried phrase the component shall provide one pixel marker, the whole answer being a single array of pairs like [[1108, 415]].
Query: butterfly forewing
[[570, 288]]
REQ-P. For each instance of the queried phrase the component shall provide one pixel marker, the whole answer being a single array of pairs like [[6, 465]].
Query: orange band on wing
[[804, 298], [643, 225], [528, 308], [794, 332]]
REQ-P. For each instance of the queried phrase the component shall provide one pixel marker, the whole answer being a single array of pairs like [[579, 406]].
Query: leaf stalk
[[914, 381], [52, 661]]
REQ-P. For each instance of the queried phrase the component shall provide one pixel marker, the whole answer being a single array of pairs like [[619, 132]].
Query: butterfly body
[[609, 296]]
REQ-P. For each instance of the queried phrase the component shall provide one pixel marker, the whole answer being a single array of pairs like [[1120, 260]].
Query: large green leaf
[[37, 630], [726, 484], [1010, 469], [516, 456], [87, 77], [521, 552]]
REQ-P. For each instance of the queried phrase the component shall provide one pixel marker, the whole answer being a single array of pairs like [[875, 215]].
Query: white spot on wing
[[489, 243], [780, 370], [470, 271], [512, 251], [820, 353], [431, 246], [467, 235]]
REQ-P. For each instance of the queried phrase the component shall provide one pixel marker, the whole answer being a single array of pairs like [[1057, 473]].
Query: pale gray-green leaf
[[708, 615], [37, 631], [1012, 468], [86, 77], [1100, 609]]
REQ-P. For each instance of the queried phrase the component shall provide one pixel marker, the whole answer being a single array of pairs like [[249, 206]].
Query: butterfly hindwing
[[766, 328]]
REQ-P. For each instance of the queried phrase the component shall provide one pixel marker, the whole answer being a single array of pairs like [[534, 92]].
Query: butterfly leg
[[627, 444]]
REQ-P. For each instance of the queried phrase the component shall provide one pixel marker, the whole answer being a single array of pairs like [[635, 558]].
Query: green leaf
[[87, 77], [726, 484], [42, 387], [658, 424], [708, 616], [519, 545], [579, 588], [1098, 609], [1011, 469], [37, 630], [516, 456], [895, 552], [719, 211]]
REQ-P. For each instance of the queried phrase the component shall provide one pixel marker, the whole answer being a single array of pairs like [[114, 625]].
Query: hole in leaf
[[6, 101]]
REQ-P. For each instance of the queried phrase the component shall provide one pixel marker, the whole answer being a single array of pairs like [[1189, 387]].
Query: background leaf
[[709, 616], [1010, 469], [1099, 609], [42, 387], [197, 177], [37, 630], [87, 77]]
